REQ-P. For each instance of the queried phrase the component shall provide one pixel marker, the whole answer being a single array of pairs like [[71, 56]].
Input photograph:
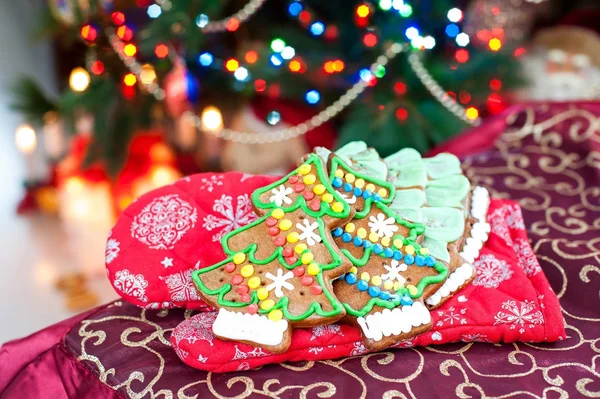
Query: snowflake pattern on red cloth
[[198, 328], [163, 222], [251, 354], [131, 285], [181, 287], [526, 258], [451, 316], [229, 218], [491, 271], [112, 250], [519, 314], [326, 330], [209, 183]]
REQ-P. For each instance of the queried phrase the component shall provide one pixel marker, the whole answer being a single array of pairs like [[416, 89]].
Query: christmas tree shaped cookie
[[435, 192], [279, 269], [392, 274]]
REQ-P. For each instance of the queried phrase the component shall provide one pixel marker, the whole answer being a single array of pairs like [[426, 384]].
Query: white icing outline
[[249, 327], [400, 320], [480, 203]]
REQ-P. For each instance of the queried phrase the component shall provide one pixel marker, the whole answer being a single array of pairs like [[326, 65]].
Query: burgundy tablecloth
[[545, 156]]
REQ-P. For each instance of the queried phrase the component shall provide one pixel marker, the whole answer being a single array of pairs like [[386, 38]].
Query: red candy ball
[[315, 204], [252, 309], [271, 221], [242, 289], [298, 271], [230, 267], [287, 252], [299, 187], [293, 179], [291, 260], [245, 298], [273, 231], [280, 241], [308, 195], [306, 281], [316, 290], [237, 279]]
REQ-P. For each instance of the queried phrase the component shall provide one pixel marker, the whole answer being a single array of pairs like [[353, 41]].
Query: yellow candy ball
[[409, 249], [319, 189], [337, 207], [239, 258], [313, 269], [360, 183], [412, 290], [385, 241], [388, 285], [350, 178], [327, 197], [398, 285], [285, 224], [278, 213], [361, 232], [304, 169], [370, 187], [383, 192], [376, 280], [293, 237], [310, 179], [254, 282], [275, 315], [300, 248], [424, 251], [350, 227], [268, 304], [262, 293], [365, 276], [306, 258], [339, 173], [354, 269], [373, 237], [247, 271], [398, 243]]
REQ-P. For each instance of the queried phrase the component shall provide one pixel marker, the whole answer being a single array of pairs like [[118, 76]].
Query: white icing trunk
[[394, 322], [452, 284], [249, 327]]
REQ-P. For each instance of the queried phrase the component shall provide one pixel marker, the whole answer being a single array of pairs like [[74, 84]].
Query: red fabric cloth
[[510, 300]]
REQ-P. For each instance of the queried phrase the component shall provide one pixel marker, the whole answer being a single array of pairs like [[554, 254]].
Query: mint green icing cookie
[[363, 159], [410, 199], [442, 165], [450, 191], [443, 223], [403, 157], [409, 175]]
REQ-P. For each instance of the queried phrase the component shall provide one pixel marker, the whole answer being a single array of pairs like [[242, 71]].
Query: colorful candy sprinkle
[[385, 241], [298, 271], [299, 248], [306, 258], [275, 315], [278, 213], [388, 252], [374, 237], [262, 293], [267, 304], [299, 187], [316, 289], [360, 183], [409, 259], [315, 205], [337, 182], [309, 179], [357, 241], [420, 260], [337, 232], [370, 187], [287, 252], [237, 279], [242, 289], [230, 267], [348, 187], [293, 237], [398, 243], [376, 280], [365, 276], [350, 177], [377, 197], [319, 189], [293, 179], [285, 224], [406, 300], [337, 207], [354, 270], [424, 251], [346, 237], [327, 197], [273, 231], [271, 221], [361, 232], [304, 169], [291, 260], [308, 195], [339, 173], [357, 192], [313, 269], [430, 261], [374, 291], [351, 278], [412, 290], [247, 270], [367, 194], [252, 308], [385, 295], [397, 255], [388, 284], [239, 258], [409, 249], [377, 248], [306, 281], [350, 227], [382, 192], [397, 285], [279, 241], [254, 282], [362, 285]]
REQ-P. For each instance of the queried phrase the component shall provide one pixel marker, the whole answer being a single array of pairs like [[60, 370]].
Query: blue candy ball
[[337, 232], [409, 259], [362, 285], [337, 182], [406, 300], [347, 187], [367, 194], [385, 295], [420, 260], [388, 252], [346, 237], [377, 248], [430, 261], [358, 241], [351, 278], [374, 291], [357, 191], [377, 197], [367, 244], [397, 255]]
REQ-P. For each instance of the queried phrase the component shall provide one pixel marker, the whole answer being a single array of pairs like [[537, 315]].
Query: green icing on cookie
[[450, 191], [443, 223], [442, 165], [352, 148], [363, 159], [438, 249], [409, 175], [403, 157], [408, 203]]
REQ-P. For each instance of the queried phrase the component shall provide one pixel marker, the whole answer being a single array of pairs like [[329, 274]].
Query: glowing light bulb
[[25, 139], [277, 45], [385, 5], [129, 80], [317, 28], [462, 39], [130, 50], [428, 42], [212, 119], [241, 74], [472, 113], [312, 97], [79, 80], [147, 74], [288, 53], [495, 44], [411, 33], [455, 15], [154, 11], [206, 59]]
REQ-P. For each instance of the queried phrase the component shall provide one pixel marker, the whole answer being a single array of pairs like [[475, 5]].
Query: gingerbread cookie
[[392, 273], [360, 158], [435, 192], [279, 269]]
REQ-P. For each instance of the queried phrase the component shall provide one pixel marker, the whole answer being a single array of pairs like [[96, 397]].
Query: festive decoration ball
[[273, 118], [181, 90], [79, 80]]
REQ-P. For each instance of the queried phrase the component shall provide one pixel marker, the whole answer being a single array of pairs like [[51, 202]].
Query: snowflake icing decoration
[[280, 195], [308, 232], [382, 226], [279, 282]]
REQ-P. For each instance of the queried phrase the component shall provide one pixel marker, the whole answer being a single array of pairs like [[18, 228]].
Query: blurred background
[[102, 101]]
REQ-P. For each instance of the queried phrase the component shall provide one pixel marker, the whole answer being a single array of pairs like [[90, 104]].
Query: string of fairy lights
[[120, 36]]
